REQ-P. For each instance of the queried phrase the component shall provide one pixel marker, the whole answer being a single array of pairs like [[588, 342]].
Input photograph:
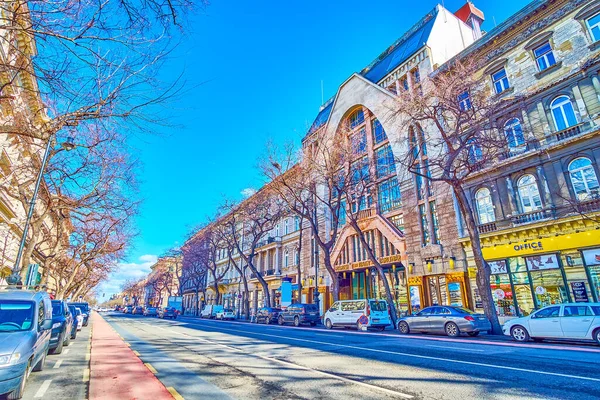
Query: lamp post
[[316, 294], [15, 277]]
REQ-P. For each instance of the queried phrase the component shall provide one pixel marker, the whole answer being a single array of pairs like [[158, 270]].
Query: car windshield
[[378, 305], [16, 316], [57, 309]]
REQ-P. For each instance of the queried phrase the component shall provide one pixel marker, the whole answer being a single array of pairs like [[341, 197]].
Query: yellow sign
[[390, 259], [546, 245], [368, 263]]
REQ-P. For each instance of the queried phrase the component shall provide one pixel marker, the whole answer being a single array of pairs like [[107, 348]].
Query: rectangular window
[[544, 56], [594, 27], [425, 240], [398, 221], [404, 83], [434, 220], [357, 118], [389, 195], [500, 81], [342, 213], [384, 161], [464, 101], [360, 171], [378, 132], [359, 142], [419, 181]]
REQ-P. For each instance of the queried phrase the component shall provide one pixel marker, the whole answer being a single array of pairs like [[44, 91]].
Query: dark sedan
[[167, 312], [298, 314], [450, 320], [267, 315], [85, 309], [62, 324]]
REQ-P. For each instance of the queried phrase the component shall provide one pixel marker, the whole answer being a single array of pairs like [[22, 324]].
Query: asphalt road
[[65, 375], [220, 360]]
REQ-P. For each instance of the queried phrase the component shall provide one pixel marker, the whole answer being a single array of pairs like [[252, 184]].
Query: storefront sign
[[390, 259], [540, 290], [286, 293], [591, 256], [546, 261], [499, 294], [579, 292], [498, 267]]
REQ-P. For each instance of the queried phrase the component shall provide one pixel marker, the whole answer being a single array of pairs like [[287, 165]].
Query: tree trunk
[[483, 269], [298, 267], [246, 298], [335, 283]]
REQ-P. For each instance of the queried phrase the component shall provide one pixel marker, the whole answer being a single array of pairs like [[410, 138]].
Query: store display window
[[503, 295]]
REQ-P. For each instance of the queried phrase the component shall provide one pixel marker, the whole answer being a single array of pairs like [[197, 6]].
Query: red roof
[[465, 12]]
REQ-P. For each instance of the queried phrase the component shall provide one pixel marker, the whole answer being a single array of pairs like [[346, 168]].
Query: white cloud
[[125, 272], [248, 192]]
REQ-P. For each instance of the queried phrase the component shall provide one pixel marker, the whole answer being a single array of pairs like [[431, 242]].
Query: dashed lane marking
[[66, 351], [42, 390], [58, 363], [151, 368], [174, 393], [454, 348]]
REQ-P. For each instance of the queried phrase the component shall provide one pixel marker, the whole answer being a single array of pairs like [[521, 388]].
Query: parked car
[[267, 315], [210, 311], [226, 313], [128, 310], [25, 328], [579, 321], [361, 313], [150, 312], [138, 310], [62, 323], [298, 314], [167, 312], [450, 320], [75, 324], [85, 309], [78, 322]]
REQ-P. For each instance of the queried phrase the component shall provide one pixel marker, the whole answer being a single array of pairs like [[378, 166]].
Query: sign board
[[591, 256], [498, 267], [175, 302], [546, 261], [286, 293], [579, 292]]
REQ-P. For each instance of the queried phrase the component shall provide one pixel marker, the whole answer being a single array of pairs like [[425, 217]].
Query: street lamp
[[68, 145], [316, 294]]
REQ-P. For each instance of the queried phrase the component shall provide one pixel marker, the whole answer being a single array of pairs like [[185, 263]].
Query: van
[[210, 311], [26, 325], [360, 313]]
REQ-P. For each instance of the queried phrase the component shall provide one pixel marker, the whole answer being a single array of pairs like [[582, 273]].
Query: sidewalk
[[116, 372]]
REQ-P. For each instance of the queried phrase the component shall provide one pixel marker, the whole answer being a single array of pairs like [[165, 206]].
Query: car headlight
[[10, 359], [56, 325]]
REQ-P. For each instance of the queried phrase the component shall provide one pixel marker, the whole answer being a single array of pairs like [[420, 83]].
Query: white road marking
[[42, 390], [58, 363], [66, 351], [398, 353], [454, 348]]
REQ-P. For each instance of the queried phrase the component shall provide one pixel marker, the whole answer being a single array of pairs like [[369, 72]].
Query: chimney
[[471, 16]]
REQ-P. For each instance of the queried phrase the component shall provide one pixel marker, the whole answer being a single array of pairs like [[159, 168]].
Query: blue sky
[[255, 69]]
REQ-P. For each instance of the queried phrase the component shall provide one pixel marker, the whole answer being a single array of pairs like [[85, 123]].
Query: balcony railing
[[571, 131], [252, 275], [367, 213], [588, 206], [486, 228], [533, 216], [270, 272]]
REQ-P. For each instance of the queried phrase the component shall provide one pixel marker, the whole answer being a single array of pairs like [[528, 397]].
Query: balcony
[[364, 214], [571, 131], [270, 272], [487, 228], [586, 206], [533, 216], [252, 275]]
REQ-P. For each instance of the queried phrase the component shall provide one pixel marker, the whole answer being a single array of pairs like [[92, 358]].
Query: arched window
[[529, 194], [485, 206], [475, 153], [286, 258], [563, 113], [584, 179], [514, 133]]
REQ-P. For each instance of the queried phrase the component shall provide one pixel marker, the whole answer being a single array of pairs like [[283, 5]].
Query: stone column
[[596, 84], [583, 114], [512, 198], [544, 120], [541, 175], [277, 264]]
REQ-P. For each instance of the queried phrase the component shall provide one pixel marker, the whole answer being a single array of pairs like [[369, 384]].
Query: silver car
[[450, 320], [25, 327]]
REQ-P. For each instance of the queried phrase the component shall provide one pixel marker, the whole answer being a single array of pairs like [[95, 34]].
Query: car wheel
[[452, 329], [280, 321], [59, 348], [67, 340], [473, 334], [597, 336], [328, 324], [296, 322], [74, 335], [519, 333], [18, 392], [403, 327], [41, 364]]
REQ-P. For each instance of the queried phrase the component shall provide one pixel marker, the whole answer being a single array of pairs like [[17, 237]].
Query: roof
[[411, 42], [465, 11], [322, 117]]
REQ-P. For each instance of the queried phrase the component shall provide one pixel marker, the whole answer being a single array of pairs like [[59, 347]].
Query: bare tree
[[457, 119], [134, 290], [195, 260]]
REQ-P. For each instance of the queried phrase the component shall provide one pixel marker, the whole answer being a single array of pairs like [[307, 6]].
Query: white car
[[79, 319], [226, 313], [361, 313], [580, 321]]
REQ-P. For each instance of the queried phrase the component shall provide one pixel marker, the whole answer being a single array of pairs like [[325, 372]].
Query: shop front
[[446, 289], [529, 275]]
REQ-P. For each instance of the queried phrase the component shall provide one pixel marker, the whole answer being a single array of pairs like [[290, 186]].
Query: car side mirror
[[47, 324]]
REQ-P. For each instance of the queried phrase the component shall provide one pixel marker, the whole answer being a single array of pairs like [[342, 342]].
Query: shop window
[[544, 56], [563, 113], [438, 290], [584, 179], [379, 134], [500, 81], [384, 161], [503, 295], [514, 133], [415, 298], [593, 25], [389, 195], [549, 287], [529, 194], [485, 206]]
